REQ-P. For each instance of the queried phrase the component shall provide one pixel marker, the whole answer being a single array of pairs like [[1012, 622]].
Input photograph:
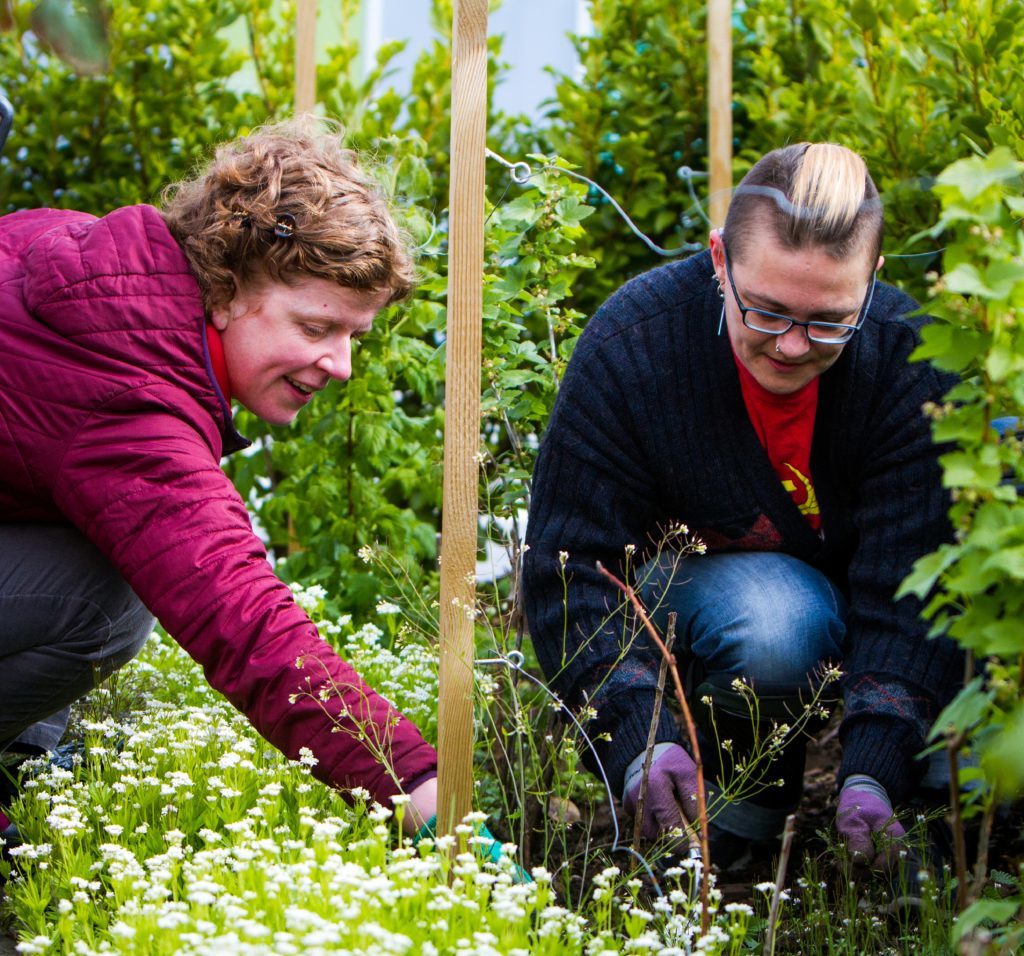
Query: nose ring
[[777, 347]]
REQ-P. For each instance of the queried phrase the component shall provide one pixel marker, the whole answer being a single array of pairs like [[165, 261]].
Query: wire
[[521, 173], [514, 661]]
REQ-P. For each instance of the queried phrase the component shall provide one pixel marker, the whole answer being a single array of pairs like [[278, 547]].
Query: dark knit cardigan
[[650, 429]]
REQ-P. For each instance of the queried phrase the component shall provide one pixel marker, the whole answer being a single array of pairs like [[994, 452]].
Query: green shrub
[[976, 583], [97, 142], [911, 85]]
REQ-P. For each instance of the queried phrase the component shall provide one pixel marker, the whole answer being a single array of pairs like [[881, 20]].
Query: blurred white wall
[[535, 32]]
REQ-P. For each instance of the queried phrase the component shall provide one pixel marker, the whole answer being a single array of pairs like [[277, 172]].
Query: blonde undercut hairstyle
[[283, 203], [808, 195]]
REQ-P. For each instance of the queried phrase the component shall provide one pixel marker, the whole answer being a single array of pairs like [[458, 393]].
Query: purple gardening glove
[[866, 822], [671, 797]]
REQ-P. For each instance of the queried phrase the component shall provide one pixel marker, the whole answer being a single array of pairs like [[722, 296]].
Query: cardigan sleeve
[[594, 495], [896, 678]]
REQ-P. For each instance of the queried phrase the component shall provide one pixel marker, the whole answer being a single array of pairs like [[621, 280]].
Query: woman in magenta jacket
[[124, 340]]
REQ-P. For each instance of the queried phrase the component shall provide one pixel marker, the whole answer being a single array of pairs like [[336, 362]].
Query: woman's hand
[[422, 806]]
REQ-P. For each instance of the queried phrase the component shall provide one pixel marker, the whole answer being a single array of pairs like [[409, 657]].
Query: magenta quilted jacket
[[110, 419]]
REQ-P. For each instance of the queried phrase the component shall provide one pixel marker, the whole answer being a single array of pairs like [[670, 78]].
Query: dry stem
[[953, 744], [659, 694], [691, 730], [780, 878]]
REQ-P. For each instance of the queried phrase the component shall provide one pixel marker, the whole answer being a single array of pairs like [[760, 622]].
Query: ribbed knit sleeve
[[598, 489]]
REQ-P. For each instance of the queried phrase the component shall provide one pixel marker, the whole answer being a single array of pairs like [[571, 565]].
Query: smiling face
[[283, 343], [804, 284]]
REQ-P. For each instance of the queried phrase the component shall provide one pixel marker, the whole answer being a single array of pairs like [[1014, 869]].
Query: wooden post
[[462, 412], [719, 30], [305, 56]]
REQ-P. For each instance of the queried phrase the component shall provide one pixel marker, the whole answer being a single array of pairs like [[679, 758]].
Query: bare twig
[[659, 694], [691, 730], [953, 744], [780, 879], [988, 819]]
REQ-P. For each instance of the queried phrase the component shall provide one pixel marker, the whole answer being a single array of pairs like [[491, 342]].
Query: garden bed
[[181, 831]]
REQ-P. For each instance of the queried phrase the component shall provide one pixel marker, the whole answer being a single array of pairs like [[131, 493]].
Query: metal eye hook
[[521, 173]]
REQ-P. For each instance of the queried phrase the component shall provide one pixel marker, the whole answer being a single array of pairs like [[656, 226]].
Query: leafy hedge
[[912, 85]]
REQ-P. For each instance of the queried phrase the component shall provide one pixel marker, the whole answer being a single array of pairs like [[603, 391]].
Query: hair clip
[[240, 220], [284, 225]]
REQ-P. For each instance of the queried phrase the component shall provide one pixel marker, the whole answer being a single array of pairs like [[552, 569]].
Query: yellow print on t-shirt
[[810, 503]]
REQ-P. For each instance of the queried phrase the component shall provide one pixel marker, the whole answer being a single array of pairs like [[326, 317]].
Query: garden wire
[[514, 661], [521, 172]]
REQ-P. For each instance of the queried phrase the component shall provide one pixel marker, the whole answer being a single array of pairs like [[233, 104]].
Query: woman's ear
[[221, 315], [717, 244]]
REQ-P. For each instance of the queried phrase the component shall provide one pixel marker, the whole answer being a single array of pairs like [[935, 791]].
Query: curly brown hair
[[284, 202]]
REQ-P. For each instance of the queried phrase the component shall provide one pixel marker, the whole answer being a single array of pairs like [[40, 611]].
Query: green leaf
[[926, 572], [1010, 561], [1001, 756], [964, 470], [971, 177], [966, 280], [966, 710]]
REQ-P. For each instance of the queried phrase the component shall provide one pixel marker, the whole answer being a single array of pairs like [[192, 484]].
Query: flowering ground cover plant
[[178, 830]]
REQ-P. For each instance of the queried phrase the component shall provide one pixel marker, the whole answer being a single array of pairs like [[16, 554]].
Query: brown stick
[[691, 730], [659, 694], [780, 878], [305, 56]]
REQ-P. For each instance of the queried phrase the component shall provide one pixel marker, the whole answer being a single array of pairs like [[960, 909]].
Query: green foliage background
[[912, 85], [916, 86]]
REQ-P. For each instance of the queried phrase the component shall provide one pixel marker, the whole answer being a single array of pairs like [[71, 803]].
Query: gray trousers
[[67, 620]]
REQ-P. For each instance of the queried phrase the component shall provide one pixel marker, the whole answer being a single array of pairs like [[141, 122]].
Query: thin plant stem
[[780, 879], [953, 745], [691, 730], [659, 695], [984, 837]]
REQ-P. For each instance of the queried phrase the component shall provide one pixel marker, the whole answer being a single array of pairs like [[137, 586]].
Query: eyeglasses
[[771, 323]]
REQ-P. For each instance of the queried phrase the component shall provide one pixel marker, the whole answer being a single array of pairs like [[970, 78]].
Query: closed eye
[[315, 331]]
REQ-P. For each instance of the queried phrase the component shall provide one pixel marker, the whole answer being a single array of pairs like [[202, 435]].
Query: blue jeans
[[763, 616], [760, 615], [67, 620]]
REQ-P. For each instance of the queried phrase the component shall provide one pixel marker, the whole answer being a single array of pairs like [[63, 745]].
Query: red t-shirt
[[785, 427]]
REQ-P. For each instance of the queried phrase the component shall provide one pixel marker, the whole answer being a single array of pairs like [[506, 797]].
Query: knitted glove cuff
[[862, 783]]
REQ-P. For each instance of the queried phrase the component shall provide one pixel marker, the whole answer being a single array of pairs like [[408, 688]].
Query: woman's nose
[[337, 361], [793, 342]]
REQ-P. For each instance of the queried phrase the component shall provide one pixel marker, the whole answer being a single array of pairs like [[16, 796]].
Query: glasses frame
[[850, 330]]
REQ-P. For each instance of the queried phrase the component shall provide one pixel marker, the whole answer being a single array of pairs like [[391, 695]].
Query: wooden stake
[[462, 412], [719, 29], [305, 56]]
